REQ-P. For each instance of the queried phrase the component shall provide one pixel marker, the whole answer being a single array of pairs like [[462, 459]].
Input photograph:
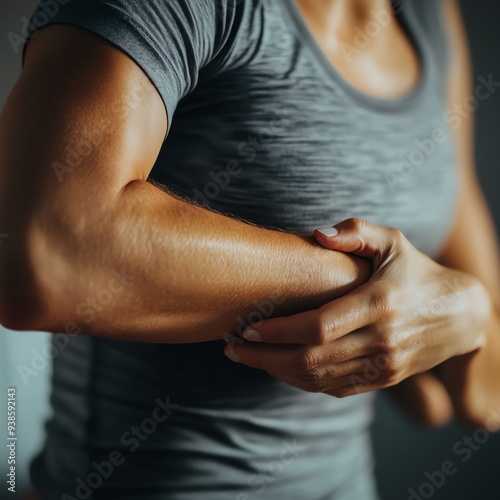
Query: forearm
[[472, 380], [192, 273]]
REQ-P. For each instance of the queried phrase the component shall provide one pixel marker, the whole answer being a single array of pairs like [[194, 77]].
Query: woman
[[282, 118]]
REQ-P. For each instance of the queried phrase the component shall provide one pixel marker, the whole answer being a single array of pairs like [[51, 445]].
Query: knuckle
[[394, 364], [355, 224], [397, 237], [379, 344], [380, 301], [388, 343], [323, 330], [371, 372], [385, 302], [307, 360], [314, 380], [391, 364]]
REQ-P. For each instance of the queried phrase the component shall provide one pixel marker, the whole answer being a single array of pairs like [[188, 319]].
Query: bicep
[[83, 118], [472, 246]]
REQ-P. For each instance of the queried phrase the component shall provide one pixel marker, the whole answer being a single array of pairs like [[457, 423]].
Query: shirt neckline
[[412, 29]]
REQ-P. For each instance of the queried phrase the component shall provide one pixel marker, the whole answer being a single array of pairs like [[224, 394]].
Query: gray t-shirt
[[264, 128]]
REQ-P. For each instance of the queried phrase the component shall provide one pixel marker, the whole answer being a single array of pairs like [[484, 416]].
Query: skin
[[56, 258], [192, 271], [384, 66], [414, 314]]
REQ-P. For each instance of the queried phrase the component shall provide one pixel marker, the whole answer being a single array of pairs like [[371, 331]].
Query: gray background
[[404, 452]]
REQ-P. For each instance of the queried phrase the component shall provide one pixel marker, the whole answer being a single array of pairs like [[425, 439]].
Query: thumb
[[356, 236]]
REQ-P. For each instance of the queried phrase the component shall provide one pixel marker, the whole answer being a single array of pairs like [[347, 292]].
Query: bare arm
[[192, 271], [472, 380], [467, 383]]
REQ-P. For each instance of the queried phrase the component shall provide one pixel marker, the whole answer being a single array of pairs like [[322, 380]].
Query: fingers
[[304, 368], [265, 357], [328, 386], [305, 365], [358, 237], [355, 345], [322, 326]]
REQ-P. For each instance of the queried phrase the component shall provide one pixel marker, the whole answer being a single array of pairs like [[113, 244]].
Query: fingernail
[[328, 231], [252, 335], [229, 352]]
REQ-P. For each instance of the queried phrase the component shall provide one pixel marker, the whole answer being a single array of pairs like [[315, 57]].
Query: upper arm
[[81, 102], [81, 123], [99, 84], [81, 114], [87, 118], [472, 246], [84, 115]]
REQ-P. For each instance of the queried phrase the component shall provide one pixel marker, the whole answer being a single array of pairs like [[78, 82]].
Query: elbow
[[478, 410], [488, 420], [17, 320], [437, 418], [21, 315], [477, 404], [23, 303], [21, 307]]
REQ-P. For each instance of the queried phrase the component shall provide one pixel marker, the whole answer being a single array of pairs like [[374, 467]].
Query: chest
[[283, 142], [372, 50]]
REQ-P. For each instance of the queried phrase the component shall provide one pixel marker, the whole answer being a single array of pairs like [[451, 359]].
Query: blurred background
[[406, 455]]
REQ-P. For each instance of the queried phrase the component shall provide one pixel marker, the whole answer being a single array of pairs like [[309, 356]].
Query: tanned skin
[[194, 271]]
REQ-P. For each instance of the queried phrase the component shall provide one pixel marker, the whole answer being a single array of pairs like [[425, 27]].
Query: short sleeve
[[171, 40]]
